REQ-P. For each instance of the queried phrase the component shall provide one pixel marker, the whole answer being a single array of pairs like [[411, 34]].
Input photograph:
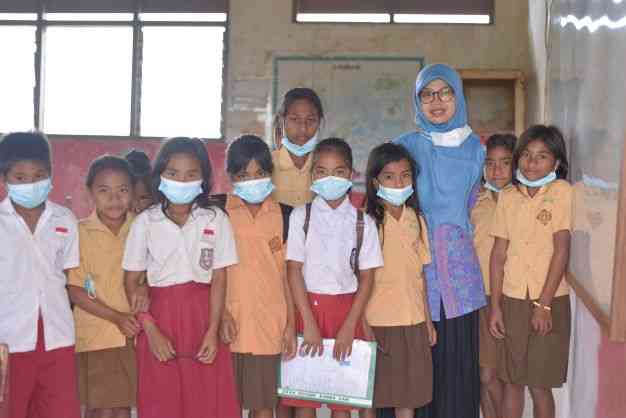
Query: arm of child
[[125, 322], [432, 333], [160, 346], [345, 336], [542, 318], [4, 369], [289, 335], [228, 328], [496, 274], [312, 338], [208, 348]]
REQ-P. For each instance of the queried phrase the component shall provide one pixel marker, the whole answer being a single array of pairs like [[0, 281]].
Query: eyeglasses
[[428, 96]]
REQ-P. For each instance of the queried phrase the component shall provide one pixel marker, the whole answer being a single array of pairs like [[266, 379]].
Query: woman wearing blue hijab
[[450, 159]]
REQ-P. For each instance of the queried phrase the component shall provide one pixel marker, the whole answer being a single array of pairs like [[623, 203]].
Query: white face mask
[[453, 138]]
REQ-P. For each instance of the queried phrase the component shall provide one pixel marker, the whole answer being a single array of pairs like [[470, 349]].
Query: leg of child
[[543, 403], [513, 403], [284, 411], [305, 413], [367, 413], [108, 413], [490, 393], [340, 414], [404, 412], [261, 413]]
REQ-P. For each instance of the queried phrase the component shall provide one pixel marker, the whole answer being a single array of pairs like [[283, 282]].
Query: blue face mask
[[331, 187], [253, 191], [29, 195], [491, 187], [536, 183], [396, 197], [178, 192], [299, 150]]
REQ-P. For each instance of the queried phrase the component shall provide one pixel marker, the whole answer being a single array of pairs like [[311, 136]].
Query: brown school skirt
[[404, 367], [527, 359], [257, 379], [108, 378], [488, 345]]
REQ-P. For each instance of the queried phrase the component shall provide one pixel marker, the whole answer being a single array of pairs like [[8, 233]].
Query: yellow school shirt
[[529, 225], [101, 254], [255, 294], [292, 184], [482, 217], [399, 286]]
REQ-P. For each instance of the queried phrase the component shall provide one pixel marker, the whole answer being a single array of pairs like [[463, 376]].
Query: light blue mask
[[396, 197], [253, 191], [331, 187], [178, 192], [29, 195], [536, 183], [491, 187], [299, 150]]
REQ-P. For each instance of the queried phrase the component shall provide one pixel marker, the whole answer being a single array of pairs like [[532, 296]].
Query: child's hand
[[228, 328], [343, 342], [312, 340], [496, 322], [4, 368], [127, 324], [432, 333], [208, 348], [141, 299], [367, 331], [290, 346], [160, 345], [541, 321]]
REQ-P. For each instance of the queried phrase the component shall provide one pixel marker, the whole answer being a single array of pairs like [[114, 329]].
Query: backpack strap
[[307, 219], [360, 229], [285, 211]]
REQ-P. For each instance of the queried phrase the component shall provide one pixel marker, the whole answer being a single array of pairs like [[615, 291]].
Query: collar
[[486, 194], [451, 139], [235, 202], [542, 190], [93, 223], [51, 209], [286, 163], [156, 214], [344, 208]]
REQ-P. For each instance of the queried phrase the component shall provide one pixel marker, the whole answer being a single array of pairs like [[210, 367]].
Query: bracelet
[[544, 307]]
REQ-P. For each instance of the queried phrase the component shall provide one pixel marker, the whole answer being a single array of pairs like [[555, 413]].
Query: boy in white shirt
[[40, 244]]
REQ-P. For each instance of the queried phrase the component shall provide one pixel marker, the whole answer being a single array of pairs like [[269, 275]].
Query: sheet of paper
[[326, 380]]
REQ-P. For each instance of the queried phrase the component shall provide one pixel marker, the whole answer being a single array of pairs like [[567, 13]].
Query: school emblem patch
[[206, 258], [544, 217], [275, 244]]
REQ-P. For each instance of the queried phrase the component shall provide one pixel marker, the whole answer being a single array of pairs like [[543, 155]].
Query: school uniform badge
[[544, 217], [206, 258], [275, 244]]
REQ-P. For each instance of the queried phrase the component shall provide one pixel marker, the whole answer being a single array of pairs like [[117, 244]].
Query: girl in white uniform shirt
[[321, 263], [185, 245]]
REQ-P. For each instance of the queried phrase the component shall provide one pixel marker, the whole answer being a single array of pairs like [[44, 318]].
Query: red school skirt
[[184, 387], [330, 312]]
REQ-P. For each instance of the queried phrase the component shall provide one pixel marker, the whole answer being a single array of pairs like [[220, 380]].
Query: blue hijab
[[449, 75]]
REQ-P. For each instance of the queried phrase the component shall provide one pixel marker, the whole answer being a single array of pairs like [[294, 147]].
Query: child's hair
[[24, 146], [108, 162], [552, 137], [506, 141], [379, 157], [245, 149], [293, 95], [183, 145], [336, 145], [140, 166]]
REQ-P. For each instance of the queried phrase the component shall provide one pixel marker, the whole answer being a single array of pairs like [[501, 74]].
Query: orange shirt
[[292, 183], [101, 254], [399, 286], [482, 217], [529, 225], [255, 294]]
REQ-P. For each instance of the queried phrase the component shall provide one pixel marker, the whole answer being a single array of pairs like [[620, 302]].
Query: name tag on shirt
[[61, 230], [207, 234]]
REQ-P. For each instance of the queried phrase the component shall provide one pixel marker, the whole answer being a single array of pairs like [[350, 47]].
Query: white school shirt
[[174, 255], [32, 280], [328, 246]]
